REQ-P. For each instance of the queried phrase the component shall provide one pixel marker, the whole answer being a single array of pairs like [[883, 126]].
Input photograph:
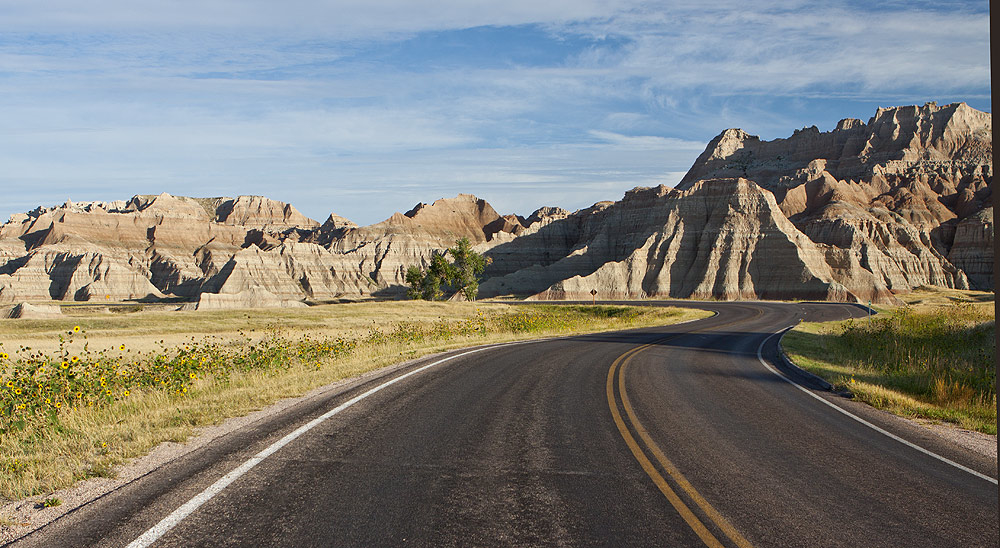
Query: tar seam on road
[[175, 517], [760, 357], [696, 525]]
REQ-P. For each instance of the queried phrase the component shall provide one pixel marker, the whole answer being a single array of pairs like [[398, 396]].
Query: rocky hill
[[869, 209], [888, 196], [861, 212], [154, 247]]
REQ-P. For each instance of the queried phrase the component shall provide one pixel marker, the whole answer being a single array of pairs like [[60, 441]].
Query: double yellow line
[[617, 370]]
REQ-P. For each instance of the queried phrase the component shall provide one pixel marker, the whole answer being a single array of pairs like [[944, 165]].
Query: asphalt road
[[673, 436]]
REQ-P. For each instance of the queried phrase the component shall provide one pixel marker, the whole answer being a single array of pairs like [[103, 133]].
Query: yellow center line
[[692, 520], [672, 470], [699, 528]]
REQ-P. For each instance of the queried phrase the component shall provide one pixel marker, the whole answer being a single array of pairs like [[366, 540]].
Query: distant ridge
[[857, 213]]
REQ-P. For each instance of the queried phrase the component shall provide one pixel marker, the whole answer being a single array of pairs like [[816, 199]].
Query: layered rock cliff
[[719, 239], [888, 197], [860, 212], [153, 247], [147, 247]]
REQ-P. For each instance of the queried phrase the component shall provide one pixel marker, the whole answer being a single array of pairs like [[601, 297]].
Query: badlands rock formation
[[871, 209], [720, 239], [886, 197], [860, 212], [972, 249], [28, 311], [154, 247], [148, 247]]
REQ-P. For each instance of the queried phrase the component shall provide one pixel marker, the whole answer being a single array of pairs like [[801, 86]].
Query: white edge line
[[175, 517], [945, 460]]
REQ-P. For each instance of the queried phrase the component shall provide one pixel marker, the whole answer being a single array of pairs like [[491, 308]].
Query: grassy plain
[[94, 389], [933, 358]]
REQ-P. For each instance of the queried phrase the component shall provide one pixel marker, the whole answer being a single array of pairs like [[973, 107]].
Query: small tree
[[467, 268], [427, 285], [415, 279], [462, 275]]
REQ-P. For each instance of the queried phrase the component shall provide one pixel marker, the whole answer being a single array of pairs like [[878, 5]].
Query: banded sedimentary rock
[[28, 311], [380, 253], [720, 238], [860, 212], [972, 250], [161, 246], [146, 247], [887, 197]]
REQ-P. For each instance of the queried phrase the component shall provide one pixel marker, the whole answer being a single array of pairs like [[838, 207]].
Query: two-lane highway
[[673, 436]]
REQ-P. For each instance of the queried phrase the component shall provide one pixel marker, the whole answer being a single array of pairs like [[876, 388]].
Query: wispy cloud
[[351, 19], [646, 142], [793, 50], [527, 103]]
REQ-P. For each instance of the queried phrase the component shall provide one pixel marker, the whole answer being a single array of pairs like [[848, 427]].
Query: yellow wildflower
[[76, 329], [64, 365]]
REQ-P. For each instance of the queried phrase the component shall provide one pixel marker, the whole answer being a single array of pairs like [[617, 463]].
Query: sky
[[367, 107]]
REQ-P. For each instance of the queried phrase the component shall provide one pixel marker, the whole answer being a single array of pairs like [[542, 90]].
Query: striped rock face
[[872, 209], [857, 213]]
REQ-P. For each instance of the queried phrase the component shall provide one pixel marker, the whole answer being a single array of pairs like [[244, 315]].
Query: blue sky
[[366, 107]]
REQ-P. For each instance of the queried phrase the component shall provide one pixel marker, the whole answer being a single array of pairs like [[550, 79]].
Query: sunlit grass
[[75, 406], [937, 362]]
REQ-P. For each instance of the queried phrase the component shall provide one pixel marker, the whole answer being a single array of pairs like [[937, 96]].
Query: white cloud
[[344, 18], [305, 101], [787, 51], [366, 187], [647, 142]]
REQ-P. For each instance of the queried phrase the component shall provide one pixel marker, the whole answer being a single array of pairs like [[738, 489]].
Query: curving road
[[672, 436]]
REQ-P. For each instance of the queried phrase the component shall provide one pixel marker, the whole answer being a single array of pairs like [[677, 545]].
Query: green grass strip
[[937, 364]]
